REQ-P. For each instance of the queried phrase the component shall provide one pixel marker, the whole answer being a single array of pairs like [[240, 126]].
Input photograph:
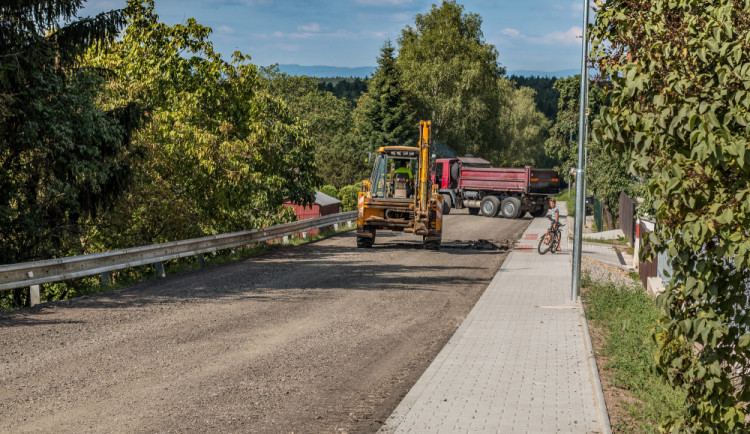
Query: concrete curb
[[594, 371]]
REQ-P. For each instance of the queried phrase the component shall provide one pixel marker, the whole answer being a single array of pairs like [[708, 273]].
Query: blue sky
[[529, 34]]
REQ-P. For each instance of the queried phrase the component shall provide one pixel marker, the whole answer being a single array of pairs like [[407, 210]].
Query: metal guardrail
[[54, 270]]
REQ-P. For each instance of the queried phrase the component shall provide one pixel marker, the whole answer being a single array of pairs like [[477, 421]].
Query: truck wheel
[[447, 204], [511, 207], [489, 206], [474, 211], [539, 213]]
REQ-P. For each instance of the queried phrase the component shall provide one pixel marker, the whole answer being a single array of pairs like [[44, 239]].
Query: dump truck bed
[[526, 180]]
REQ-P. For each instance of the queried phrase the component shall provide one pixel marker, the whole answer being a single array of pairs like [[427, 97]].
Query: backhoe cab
[[399, 196]]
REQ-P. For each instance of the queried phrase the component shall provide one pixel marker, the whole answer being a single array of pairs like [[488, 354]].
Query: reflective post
[[580, 175]]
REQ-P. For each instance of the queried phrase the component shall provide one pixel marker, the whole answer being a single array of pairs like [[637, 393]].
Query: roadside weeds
[[621, 319]]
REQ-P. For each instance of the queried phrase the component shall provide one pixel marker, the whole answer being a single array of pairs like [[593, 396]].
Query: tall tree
[[339, 158], [521, 128], [680, 106], [221, 153], [452, 72], [385, 116], [62, 157]]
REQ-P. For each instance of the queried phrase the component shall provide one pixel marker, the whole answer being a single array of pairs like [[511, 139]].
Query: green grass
[[569, 198], [92, 284], [627, 317]]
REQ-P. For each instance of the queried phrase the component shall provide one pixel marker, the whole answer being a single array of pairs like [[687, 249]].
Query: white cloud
[[513, 33], [311, 27], [342, 34], [225, 29], [569, 37], [374, 35]]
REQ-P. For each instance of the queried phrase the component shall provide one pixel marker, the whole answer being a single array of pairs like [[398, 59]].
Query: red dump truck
[[471, 182]]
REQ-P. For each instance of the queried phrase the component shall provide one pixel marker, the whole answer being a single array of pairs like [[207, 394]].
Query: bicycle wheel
[[544, 243]]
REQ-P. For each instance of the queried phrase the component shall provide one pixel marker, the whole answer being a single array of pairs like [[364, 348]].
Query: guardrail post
[[34, 297], [304, 235], [160, 269], [106, 279], [201, 259], [285, 239], [335, 226]]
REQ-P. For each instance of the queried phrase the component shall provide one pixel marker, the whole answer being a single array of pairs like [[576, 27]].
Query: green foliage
[[607, 169], [329, 190], [221, 153], [58, 165], [327, 122], [348, 195], [545, 96], [521, 128], [681, 106], [562, 145], [349, 89], [452, 72], [384, 116], [628, 316]]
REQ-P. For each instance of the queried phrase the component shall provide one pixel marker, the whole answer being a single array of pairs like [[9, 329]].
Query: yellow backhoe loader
[[395, 200]]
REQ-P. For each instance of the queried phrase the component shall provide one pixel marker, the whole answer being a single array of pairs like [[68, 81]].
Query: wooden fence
[[627, 217]]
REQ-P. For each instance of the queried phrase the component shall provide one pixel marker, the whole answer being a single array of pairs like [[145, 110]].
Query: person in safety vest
[[402, 168]]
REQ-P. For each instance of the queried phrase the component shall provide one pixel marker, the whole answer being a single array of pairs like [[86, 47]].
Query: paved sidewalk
[[520, 361]]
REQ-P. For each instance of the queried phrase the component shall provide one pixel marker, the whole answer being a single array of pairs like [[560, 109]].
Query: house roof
[[323, 199]]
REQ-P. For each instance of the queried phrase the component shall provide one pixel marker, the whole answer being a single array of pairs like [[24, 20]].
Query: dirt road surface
[[322, 337]]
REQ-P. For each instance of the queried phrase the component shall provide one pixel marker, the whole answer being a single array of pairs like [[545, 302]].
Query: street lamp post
[[580, 194]]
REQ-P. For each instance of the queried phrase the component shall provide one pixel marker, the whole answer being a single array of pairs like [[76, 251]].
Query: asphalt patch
[[496, 245]]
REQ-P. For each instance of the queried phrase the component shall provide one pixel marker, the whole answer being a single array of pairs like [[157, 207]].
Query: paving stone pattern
[[516, 364]]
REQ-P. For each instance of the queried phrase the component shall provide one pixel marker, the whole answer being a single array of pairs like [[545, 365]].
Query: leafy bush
[[348, 195], [329, 190]]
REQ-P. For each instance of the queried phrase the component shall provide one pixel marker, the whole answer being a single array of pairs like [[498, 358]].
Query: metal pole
[[580, 195]]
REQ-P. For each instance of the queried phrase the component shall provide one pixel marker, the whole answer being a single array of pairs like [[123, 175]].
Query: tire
[[539, 213], [553, 244], [511, 207], [447, 204], [432, 244], [489, 206], [545, 243], [366, 242], [474, 211]]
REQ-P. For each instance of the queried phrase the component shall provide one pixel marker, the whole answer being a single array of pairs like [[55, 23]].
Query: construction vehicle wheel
[[474, 211], [365, 243], [489, 206], [511, 207], [447, 204], [432, 244], [539, 212]]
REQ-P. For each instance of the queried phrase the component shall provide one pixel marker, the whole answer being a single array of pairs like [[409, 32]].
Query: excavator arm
[[422, 198]]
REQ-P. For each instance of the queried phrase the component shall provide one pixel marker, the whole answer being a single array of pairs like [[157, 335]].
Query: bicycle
[[551, 239]]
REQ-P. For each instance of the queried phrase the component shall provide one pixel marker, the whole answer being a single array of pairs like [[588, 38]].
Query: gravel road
[[322, 337]]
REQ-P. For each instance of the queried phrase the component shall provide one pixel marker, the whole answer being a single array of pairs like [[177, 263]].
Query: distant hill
[[367, 71], [327, 71]]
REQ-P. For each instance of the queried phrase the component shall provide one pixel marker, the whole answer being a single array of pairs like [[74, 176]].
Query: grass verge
[[622, 320], [570, 200]]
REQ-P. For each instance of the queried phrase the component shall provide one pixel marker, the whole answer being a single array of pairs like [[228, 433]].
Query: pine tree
[[61, 156], [384, 116]]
